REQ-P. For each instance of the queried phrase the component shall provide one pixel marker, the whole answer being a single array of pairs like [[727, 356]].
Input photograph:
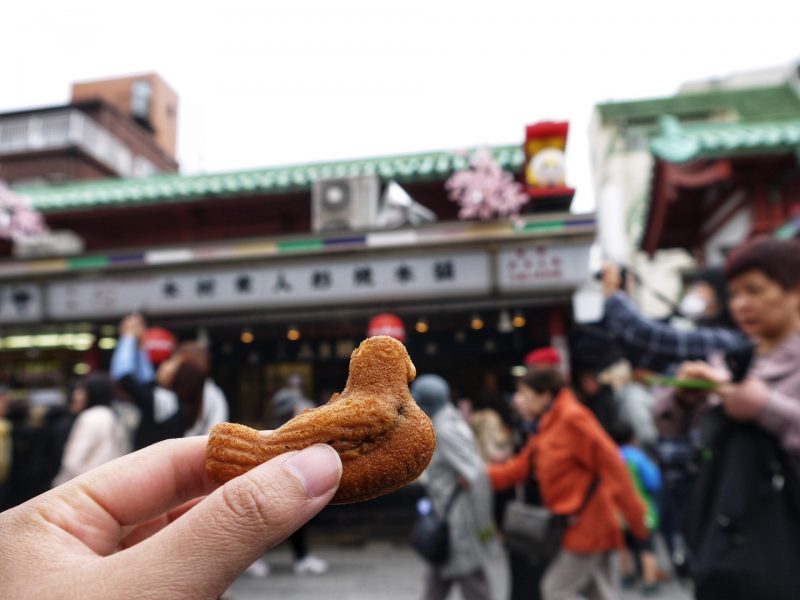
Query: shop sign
[[534, 267], [20, 303], [311, 283]]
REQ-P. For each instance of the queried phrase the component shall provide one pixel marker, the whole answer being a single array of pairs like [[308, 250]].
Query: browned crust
[[383, 438]]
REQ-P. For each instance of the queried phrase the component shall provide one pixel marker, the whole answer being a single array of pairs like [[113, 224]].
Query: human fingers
[[611, 278], [99, 507], [145, 530], [702, 370], [217, 539]]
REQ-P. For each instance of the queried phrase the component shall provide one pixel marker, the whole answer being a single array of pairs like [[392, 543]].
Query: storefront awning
[[160, 189]]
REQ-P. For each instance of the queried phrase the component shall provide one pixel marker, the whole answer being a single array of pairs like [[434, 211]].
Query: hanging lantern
[[421, 325], [159, 344], [387, 324], [476, 322]]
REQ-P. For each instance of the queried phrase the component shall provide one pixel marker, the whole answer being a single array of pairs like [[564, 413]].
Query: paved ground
[[378, 571]]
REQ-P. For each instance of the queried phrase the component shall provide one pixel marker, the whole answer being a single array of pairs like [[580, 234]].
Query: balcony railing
[[71, 128]]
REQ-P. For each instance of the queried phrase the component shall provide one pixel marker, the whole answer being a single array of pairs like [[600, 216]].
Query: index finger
[[98, 507], [148, 482]]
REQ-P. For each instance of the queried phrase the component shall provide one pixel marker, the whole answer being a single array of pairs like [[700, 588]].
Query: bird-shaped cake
[[384, 439]]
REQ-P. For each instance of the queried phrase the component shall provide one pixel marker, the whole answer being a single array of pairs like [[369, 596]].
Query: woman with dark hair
[[581, 475], [97, 436], [170, 400], [743, 524], [764, 287]]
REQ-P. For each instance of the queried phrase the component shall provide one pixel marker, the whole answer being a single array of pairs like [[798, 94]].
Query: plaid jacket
[[649, 336]]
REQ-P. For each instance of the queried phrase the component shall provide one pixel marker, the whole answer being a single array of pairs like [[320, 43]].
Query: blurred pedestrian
[[456, 472], [646, 340], [492, 435], [595, 395], [764, 285], [215, 405], [647, 478], [525, 571], [579, 470], [38, 437], [97, 435], [286, 403], [636, 406], [5, 440], [170, 399]]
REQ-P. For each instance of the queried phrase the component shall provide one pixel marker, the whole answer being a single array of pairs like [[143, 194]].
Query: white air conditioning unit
[[345, 204]]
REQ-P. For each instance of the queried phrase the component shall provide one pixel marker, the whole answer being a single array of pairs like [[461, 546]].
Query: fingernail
[[317, 467]]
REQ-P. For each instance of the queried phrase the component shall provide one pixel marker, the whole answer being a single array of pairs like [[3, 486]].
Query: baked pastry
[[383, 438]]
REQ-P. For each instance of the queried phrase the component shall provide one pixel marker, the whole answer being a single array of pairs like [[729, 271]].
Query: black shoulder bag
[[743, 525], [536, 530], [430, 535]]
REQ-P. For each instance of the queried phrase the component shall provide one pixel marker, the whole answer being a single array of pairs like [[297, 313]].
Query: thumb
[[201, 553]]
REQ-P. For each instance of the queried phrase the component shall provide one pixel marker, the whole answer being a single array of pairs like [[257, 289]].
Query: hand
[[132, 325], [697, 369], [745, 400], [141, 527], [612, 279]]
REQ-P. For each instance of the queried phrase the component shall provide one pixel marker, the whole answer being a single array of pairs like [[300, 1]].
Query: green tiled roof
[[275, 180], [680, 143], [766, 103]]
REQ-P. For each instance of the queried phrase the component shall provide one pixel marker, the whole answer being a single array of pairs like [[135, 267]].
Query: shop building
[[281, 282], [698, 172]]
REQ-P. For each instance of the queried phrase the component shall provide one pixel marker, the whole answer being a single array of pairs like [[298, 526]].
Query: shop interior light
[[518, 320], [518, 370], [504, 324], [476, 322], [107, 343], [247, 336], [18, 341], [422, 325], [293, 333], [82, 341], [74, 341], [81, 368]]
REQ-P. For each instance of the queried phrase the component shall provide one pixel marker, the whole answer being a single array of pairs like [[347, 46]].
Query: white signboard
[[543, 267], [309, 283], [20, 303]]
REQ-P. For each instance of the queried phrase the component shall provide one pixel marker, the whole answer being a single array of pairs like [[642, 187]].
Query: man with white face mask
[[712, 332], [651, 342]]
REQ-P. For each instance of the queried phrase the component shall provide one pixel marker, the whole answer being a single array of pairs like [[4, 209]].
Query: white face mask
[[693, 306]]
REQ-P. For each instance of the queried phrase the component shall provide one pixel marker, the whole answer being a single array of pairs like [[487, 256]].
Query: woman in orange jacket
[[568, 452]]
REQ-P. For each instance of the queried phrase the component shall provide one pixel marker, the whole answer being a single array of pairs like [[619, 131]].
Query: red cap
[[543, 356]]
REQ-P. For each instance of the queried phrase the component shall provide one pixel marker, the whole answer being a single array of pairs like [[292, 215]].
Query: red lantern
[[159, 344], [387, 324]]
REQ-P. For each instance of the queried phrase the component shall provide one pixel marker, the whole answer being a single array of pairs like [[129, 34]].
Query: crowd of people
[[684, 430], [639, 438], [139, 402]]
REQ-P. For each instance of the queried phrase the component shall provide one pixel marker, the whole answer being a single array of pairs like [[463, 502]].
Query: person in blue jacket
[[169, 399], [647, 479]]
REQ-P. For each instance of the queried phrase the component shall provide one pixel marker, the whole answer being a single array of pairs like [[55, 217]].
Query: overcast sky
[[265, 83]]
